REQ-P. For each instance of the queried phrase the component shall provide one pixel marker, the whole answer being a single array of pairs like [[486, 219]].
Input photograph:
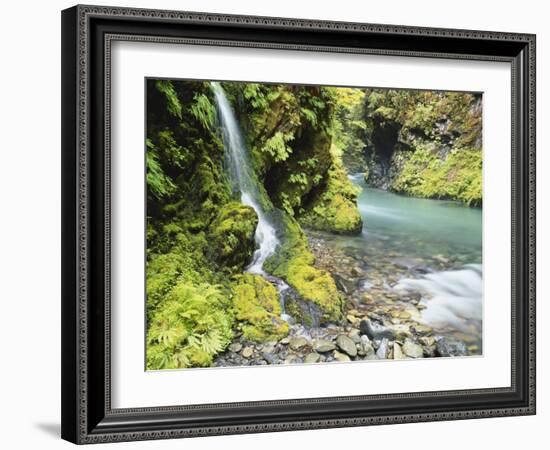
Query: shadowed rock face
[[413, 139]]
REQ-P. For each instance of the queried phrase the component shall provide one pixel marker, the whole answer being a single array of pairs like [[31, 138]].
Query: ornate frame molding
[[80, 418]]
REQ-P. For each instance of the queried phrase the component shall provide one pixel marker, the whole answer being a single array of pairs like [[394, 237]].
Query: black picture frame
[[87, 32]]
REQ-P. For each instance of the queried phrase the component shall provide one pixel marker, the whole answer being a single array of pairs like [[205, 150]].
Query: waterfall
[[243, 180], [452, 297]]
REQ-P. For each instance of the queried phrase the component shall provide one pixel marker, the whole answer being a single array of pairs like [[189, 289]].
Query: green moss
[[293, 262], [334, 208], [193, 324], [458, 176], [257, 308], [231, 236]]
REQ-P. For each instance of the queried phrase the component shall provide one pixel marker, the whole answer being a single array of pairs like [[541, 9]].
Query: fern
[[174, 105], [158, 182], [189, 327], [203, 110]]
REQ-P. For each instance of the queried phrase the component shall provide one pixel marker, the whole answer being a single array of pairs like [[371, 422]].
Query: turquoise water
[[417, 228]]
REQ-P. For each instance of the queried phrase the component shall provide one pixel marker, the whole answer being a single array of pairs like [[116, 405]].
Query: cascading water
[[452, 298], [244, 180]]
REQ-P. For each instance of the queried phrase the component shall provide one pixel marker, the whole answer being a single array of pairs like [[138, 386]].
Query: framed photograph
[[280, 224]]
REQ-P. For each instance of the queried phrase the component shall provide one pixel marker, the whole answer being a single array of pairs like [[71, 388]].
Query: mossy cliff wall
[[200, 237], [291, 133], [425, 143]]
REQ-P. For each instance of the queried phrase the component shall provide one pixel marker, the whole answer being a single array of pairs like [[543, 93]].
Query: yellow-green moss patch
[[257, 308], [231, 235], [294, 262]]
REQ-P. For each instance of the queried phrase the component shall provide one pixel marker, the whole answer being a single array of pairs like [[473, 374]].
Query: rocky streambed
[[410, 288], [381, 322]]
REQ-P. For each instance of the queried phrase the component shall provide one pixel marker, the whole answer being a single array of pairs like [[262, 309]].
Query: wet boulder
[[375, 331], [450, 346]]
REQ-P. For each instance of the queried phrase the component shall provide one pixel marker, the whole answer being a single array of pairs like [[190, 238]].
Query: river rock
[[355, 336], [235, 347], [296, 343], [323, 346], [247, 352], [285, 341], [368, 349], [382, 352], [397, 353], [345, 285], [270, 358], [427, 340], [269, 347], [340, 357], [352, 319], [293, 359], [312, 358], [412, 350], [346, 345], [422, 329], [449, 346], [375, 331]]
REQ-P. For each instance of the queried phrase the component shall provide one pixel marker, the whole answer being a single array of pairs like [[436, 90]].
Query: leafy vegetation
[[425, 143], [301, 139], [459, 176]]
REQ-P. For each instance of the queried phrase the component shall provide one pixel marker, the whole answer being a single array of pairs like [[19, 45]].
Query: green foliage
[[257, 308], [167, 88], [438, 153], [199, 238], [335, 207], [158, 183], [204, 111], [350, 126], [458, 176], [193, 325], [276, 146]]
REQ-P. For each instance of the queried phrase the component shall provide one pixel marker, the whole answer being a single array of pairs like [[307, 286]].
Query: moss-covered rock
[[231, 236], [334, 208], [293, 262], [425, 143], [457, 176], [257, 308]]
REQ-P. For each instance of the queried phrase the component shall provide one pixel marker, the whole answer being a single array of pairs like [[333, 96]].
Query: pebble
[[297, 343], [293, 359], [397, 353], [346, 345], [312, 358], [449, 346], [247, 352], [375, 331], [341, 357], [269, 357], [323, 346], [411, 349], [382, 351], [235, 347]]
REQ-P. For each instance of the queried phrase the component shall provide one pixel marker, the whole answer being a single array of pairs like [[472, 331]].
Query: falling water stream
[[243, 179]]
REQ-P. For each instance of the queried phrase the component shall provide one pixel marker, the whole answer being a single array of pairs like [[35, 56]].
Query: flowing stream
[[431, 247]]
